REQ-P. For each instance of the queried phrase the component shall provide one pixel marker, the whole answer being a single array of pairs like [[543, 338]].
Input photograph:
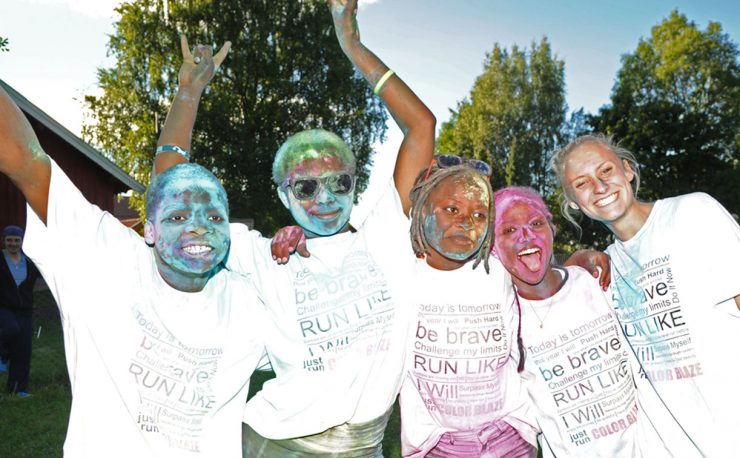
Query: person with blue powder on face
[[337, 325], [160, 339]]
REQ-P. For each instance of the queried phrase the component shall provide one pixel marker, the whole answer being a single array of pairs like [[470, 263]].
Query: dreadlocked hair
[[519, 341], [419, 196]]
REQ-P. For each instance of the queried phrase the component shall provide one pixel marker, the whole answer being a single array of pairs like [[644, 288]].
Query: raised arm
[[413, 117], [21, 156], [196, 71]]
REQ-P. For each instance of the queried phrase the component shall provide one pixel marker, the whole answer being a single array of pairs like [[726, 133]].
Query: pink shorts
[[494, 440]]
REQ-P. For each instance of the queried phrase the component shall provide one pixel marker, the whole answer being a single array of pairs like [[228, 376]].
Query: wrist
[[189, 93], [349, 43]]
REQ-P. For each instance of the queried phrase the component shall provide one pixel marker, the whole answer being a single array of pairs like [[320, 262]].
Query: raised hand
[[344, 13], [287, 241], [413, 117], [199, 66], [196, 71]]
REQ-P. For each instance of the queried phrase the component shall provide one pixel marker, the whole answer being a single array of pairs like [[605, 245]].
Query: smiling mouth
[[532, 250], [327, 215], [606, 200], [197, 250]]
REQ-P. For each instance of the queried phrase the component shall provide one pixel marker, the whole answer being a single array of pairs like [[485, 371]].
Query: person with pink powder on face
[[578, 367]]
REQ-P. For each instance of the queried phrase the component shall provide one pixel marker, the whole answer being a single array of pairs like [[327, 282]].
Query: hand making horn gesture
[[199, 66]]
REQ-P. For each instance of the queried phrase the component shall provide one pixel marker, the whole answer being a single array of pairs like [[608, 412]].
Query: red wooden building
[[99, 179]]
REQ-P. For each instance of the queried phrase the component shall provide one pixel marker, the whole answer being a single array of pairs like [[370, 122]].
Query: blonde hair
[[557, 164]]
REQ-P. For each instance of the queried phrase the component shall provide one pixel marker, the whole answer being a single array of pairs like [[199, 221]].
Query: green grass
[[36, 426]]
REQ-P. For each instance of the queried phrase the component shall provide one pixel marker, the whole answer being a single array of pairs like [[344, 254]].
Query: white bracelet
[[173, 149]]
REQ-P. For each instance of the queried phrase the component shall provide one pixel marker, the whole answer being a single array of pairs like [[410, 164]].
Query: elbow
[[427, 121], [419, 122]]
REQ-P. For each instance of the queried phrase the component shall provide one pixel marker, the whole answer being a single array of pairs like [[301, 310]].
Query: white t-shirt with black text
[[462, 357], [673, 288], [337, 326], [580, 378], [155, 372]]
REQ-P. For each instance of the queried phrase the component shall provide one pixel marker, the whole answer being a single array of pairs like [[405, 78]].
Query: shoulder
[[247, 245], [584, 288], [381, 215], [581, 277], [694, 208], [31, 266], [694, 200], [242, 236], [238, 290], [243, 232], [577, 273]]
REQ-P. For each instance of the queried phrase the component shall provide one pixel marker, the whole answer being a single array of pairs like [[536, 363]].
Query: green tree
[[514, 118], [515, 115], [4, 44], [285, 73], [676, 105]]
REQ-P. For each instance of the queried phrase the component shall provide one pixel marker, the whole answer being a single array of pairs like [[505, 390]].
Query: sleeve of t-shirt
[[719, 257], [75, 229], [387, 215], [250, 254]]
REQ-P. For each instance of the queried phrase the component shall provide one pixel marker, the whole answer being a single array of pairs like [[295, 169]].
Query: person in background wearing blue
[[17, 278]]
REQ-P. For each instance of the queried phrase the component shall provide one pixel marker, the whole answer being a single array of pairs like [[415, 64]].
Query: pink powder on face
[[505, 197]]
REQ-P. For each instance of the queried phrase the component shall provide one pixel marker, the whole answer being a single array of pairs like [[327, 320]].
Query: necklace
[[564, 277], [547, 312]]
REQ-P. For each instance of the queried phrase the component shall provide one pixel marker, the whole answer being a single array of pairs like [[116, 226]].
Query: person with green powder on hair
[[336, 330]]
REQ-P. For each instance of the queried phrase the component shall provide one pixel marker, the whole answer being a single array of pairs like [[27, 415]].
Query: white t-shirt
[[673, 287], [155, 372], [462, 357], [579, 376], [335, 335]]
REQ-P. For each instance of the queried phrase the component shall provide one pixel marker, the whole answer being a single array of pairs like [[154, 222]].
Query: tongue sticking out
[[532, 261]]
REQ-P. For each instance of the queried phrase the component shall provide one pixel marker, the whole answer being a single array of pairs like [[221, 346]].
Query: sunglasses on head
[[305, 188], [445, 161]]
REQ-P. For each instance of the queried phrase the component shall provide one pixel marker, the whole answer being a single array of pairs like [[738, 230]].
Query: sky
[[437, 46]]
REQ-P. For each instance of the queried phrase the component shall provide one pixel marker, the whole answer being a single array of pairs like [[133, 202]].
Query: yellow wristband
[[382, 81]]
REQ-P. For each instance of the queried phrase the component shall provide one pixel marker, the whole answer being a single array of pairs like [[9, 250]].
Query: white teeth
[[528, 251], [197, 249], [606, 200]]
